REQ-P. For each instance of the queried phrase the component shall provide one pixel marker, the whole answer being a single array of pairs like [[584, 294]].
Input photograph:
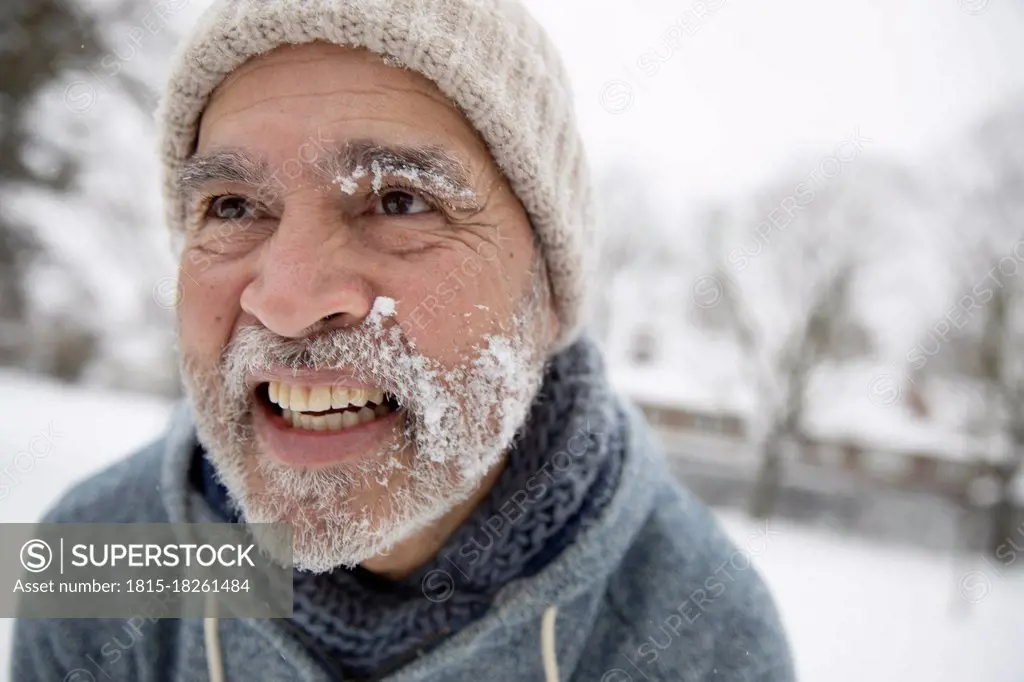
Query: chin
[[342, 516]]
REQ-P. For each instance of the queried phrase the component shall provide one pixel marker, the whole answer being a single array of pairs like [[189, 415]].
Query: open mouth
[[326, 408]]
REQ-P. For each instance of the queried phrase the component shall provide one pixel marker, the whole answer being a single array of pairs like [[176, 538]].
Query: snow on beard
[[458, 421]]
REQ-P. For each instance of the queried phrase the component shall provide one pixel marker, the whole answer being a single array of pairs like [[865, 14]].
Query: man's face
[[363, 319]]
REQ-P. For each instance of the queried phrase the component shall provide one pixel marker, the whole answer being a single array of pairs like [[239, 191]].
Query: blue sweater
[[651, 591]]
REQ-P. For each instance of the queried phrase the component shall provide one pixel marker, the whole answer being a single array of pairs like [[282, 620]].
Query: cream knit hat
[[490, 57]]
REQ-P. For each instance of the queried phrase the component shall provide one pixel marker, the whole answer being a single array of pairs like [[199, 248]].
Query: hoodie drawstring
[[547, 644], [211, 637]]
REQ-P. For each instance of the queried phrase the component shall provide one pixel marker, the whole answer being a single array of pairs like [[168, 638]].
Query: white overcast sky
[[760, 83]]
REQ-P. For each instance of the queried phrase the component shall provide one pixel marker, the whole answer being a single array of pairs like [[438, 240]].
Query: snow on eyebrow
[[350, 183], [426, 168]]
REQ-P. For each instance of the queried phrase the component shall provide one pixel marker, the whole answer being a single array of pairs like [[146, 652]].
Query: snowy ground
[[51, 436], [855, 611]]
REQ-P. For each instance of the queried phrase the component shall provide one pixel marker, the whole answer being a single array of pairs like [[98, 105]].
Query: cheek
[[208, 309], [450, 309]]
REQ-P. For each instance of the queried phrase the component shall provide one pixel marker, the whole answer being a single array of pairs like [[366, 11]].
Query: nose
[[308, 278]]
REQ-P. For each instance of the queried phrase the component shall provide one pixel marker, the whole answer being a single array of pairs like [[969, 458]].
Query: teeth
[[298, 399], [321, 398], [335, 421], [339, 397]]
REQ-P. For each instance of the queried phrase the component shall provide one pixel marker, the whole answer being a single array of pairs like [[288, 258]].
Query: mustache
[[370, 352], [257, 347]]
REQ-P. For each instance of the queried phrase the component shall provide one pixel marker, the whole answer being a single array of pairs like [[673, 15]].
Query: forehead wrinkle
[[232, 165]]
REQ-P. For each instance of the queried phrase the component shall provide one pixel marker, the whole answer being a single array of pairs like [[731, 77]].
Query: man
[[383, 209]]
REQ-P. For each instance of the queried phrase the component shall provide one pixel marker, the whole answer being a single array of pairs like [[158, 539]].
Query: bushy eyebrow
[[428, 166], [222, 166], [362, 153]]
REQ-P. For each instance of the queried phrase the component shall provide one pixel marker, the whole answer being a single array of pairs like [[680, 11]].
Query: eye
[[397, 202], [230, 207]]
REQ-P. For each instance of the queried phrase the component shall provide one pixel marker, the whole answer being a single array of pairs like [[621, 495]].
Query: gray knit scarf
[[562, 469]]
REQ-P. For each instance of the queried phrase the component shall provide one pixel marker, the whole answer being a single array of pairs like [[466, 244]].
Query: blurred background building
[[812, 281]]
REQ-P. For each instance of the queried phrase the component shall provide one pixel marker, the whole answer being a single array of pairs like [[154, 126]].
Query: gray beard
[[458, 422]]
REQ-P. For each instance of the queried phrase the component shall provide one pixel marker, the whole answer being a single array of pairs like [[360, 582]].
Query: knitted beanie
[[490, 57]]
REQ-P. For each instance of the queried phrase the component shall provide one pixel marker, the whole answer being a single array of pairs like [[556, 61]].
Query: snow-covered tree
[[786, 284], [39, 40], [989, 259], [82, 245]]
